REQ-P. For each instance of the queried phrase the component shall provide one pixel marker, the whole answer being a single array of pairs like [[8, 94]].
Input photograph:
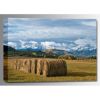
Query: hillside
[[8, 48]]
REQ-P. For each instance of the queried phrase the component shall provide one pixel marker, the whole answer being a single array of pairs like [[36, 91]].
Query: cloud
[[12, 44], [23, 44], [84, 44], [89, 23], [28, 44], [48, 28], [53, 45], [50, 33]]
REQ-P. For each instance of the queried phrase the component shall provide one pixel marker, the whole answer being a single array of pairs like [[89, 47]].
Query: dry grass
[[84, 70]]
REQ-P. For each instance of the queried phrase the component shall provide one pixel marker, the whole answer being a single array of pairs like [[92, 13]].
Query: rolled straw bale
[[14, 63], [23, 68], [21, 65], [42, 64], [17, 64], [32, 66], [35, 67], [45, 68], [38, 67], [57, 68], [26, 65]]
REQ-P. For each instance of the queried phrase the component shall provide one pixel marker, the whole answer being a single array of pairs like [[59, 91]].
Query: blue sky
[[50, 33]]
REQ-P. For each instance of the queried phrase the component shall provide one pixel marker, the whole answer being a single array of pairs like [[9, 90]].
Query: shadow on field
[[76, 74], [81, 74]]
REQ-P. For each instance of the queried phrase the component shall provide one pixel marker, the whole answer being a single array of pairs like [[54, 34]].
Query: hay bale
[[45, 67], [42, 67], [14, 63], [17, 64], [56, 68], [26, 65], [31, 67], [21, 65], [35, 67], [51, 67], [38, 67]]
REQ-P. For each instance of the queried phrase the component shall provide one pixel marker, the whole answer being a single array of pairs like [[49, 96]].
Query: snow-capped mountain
[[84, 52], [80, 47]]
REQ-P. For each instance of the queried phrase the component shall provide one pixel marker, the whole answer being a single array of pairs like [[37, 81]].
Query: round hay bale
[[32, 66], [38, 67], [57, 68], [17, 64], [45, 68], [24, 65], [14, 64], [21, 67], [35, 67]]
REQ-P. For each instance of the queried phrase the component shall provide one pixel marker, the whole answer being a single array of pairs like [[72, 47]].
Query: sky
[[65, 34]]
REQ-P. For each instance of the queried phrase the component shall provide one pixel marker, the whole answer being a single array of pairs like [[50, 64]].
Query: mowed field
[[77, 70]]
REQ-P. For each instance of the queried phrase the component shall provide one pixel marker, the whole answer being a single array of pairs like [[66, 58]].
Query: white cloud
[[23, 44], [32, 28], [89, 23], [49, 32], [53, 45], [12, 44], [26, 33], [84, 44], [28, 44]]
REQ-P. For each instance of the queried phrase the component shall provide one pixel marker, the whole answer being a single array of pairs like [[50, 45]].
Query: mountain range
[[77, 53]]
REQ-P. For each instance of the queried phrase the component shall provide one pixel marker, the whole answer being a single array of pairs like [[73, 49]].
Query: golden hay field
[[77, 70]]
